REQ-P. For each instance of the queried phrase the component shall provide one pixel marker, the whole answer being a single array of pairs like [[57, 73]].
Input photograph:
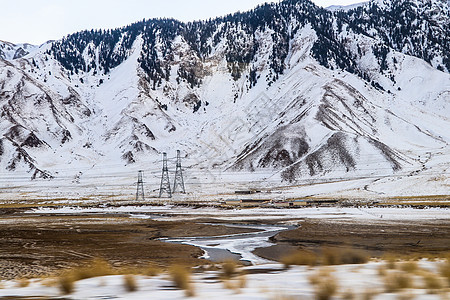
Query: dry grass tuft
[[23, 282], [433, 283], [382, 270], [444, 270], [300, 258], [330, 256], [181, 279], [336, 256], [242, 281], [395, 281], [49, 282], [326, 289], [94, 268], [409, 267], [325, 284], [152, 270], [348, 295], [369, 294], [229, 269], [390, 261], [66, 284], [129, 282], [405, 295], [239, 283], [354, 256]]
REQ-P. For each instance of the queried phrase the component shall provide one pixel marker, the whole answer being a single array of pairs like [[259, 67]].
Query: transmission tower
[[140, 187], [178, 182], [165, 183]]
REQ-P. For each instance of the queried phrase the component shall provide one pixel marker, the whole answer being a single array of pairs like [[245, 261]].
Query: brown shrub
[[409, 266], [348, 295], [94, 268], [326, 288], [396, 281], [229, 268], [300, 258], [444, 270], [129, 282], [382, 271], [369, 294], [432, 283], [152, 270], [24, 282], [390, 261], [331, 256], [242, 281], [337, 256], [66, 284], [325, 284], [181, 278], [354, 256]]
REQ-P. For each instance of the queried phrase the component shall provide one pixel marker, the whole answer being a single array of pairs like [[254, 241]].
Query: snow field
[[274, 283]]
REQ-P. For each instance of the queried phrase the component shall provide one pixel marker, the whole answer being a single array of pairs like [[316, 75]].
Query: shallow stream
[[234, 246]]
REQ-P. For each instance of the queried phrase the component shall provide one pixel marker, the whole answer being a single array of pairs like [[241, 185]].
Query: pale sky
[[37, 21]]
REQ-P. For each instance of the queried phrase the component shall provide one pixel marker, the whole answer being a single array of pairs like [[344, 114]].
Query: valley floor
[[38, 243]]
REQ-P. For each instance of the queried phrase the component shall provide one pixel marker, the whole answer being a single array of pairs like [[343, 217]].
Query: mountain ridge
[[289, 90]]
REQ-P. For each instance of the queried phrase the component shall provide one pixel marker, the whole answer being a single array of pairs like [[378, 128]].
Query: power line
[[178, 182], [164, 187], [140, 187]]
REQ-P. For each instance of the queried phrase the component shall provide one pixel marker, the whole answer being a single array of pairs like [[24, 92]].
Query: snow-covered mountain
[[346, 7], [11, 51], [280, 94]]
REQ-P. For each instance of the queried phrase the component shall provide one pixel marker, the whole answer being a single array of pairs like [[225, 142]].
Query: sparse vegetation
[[152, 270], [229, 269], [325, 284], [181, 279], [369, 294], [382, 271], [444, 269], [129, 282], [329, 256], [94, 268], [390, 261], [300, 258], [348, 295], [432, 282], [66, 284], [338, 256], [23, 282], [409, 267], [398, 280]]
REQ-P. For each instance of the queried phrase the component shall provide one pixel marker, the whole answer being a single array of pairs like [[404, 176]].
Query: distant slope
[[285, 92]]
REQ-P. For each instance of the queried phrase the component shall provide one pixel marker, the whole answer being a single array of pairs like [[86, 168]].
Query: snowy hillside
[[12, 51], [284, 94]]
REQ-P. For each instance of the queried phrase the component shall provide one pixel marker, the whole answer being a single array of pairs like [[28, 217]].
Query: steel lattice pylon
[[178, 182], [165, 183], [140, 187]]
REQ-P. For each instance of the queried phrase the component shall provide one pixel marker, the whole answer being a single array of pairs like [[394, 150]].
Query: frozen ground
[[264, 279], [171, 212]]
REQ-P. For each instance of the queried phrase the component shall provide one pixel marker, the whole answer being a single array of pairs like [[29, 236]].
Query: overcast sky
[[37, 21]]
